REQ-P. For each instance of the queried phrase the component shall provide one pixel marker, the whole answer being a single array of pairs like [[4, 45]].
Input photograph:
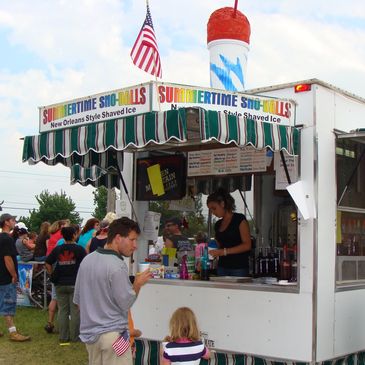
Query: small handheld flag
[[121, 344]]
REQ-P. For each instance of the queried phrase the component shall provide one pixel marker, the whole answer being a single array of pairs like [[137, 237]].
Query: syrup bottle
[[184, 269], [205, 265], [294, 266], [285, 272]]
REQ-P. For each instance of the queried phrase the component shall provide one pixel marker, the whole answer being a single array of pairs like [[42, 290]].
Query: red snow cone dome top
[[223, 24]]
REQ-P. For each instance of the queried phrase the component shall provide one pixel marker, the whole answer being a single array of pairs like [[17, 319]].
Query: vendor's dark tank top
[[231, 237]]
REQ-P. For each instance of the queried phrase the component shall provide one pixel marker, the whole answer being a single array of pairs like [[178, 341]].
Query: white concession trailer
[[300, 147], [323, 316]]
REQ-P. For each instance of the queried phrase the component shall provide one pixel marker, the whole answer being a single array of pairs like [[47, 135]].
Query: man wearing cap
[[8, 276], [176, 239]]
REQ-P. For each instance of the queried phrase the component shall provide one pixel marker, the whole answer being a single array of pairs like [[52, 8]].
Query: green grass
[[43, 349]]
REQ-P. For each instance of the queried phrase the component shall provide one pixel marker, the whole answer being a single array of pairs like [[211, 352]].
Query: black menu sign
[[161, 178]]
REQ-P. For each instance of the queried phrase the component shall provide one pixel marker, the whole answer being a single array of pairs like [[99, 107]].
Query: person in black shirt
[[63, 264], [100, 239], [9, 276], [232, 234], [176, 239]]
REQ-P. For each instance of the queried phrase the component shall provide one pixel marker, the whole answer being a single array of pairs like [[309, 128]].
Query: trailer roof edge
[[308, 81]]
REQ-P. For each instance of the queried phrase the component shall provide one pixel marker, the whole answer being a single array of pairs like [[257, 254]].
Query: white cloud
[[83, 48]]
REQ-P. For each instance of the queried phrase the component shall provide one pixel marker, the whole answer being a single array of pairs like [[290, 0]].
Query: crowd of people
[[94, 257], [101, 317]]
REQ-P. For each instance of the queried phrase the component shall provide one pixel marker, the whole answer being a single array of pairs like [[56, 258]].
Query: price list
[[226, 161]]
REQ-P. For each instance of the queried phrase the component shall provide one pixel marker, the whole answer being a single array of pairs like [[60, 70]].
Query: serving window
[[350, 235]]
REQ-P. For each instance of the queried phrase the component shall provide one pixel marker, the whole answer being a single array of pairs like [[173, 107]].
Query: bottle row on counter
[[351, 245], [277, 264], [186, 265]]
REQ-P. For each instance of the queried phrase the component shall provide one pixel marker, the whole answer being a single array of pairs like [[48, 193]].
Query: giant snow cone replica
[[228, 43]]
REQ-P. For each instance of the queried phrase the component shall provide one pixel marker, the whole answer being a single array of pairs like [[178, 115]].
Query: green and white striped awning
[[97, 145], [148, 352], [226, 128], [95, 176], [94, 142]]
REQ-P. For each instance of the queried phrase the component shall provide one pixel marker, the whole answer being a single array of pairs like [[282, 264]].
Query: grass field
[[43, 349]]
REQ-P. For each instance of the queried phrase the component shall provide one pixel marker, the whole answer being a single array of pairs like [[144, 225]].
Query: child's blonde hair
[[183, 324]]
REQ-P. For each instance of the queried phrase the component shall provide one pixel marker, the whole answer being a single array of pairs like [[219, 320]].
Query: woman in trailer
[[232, 234]]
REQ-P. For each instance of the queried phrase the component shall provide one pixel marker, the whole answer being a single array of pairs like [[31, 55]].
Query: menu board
[[226, 161], [161, 178]]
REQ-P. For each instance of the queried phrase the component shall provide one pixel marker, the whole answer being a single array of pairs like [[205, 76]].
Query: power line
[[17, 208], [36, 204], [30, 173]]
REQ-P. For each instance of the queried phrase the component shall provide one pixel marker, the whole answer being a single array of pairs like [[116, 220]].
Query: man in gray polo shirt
[[104, 293]]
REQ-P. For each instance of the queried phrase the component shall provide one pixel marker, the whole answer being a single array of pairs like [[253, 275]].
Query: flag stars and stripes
[[145, 54], [121, 344]]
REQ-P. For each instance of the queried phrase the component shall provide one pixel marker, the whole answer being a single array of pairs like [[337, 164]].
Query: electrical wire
[[36, 204], [32, 173], [17, 208]]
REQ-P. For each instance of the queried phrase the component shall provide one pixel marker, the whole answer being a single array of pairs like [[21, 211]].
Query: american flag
[[145, 53], [121, 344]]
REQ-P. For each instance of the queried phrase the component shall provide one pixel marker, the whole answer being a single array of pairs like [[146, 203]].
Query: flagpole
[[235, 8], [146, 46], [155, 66]]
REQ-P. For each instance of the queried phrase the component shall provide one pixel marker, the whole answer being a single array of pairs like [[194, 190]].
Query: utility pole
[[111, 198]]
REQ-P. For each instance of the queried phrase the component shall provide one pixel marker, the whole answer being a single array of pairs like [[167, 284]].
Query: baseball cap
[[21, 225], [6, 216]]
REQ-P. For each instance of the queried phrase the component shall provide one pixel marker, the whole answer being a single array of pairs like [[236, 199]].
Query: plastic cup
[[228, 62], [143, 266], [210, 256]]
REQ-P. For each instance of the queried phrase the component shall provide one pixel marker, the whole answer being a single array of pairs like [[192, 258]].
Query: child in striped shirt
[[183, 346]]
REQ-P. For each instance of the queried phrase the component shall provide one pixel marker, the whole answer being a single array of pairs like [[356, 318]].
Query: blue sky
[[15, 58], [59, 50]]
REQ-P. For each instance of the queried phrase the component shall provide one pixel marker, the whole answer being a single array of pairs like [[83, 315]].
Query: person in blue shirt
[[91, 226]]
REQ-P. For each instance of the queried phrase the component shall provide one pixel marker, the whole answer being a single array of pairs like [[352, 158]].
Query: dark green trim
[[251, 132], [283, 137], [296, 141], [150, 127], [129, 130], [104, 251], [232, 128], [267, 128], [91, 136], [172, 124], [110, 133], [58, 142]]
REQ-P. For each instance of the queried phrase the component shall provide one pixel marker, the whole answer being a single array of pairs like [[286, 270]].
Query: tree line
[[56, 206]]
